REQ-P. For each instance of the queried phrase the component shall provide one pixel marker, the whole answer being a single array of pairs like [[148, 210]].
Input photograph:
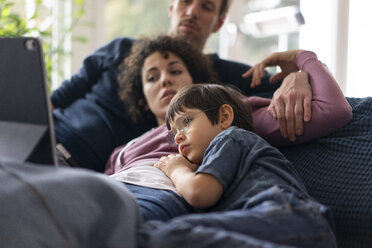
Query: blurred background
[[337, 30]]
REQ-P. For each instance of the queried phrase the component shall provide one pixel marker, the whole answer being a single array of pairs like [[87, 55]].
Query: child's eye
[[186, 121]]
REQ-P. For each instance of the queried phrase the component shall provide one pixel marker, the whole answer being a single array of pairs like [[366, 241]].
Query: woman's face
[[162, 76]]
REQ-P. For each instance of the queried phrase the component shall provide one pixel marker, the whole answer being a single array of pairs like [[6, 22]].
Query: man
[[89, 119]]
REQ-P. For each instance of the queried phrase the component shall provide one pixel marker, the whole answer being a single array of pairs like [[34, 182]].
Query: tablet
[[26, 126]]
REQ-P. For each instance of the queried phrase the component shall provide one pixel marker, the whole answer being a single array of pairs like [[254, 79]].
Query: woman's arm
[[199, 190], [330, 110]]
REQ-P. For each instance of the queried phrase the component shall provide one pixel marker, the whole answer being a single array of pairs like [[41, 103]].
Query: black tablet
[[26, 126]]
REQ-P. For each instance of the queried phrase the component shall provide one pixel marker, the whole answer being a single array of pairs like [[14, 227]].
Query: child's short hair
[[209, 98]]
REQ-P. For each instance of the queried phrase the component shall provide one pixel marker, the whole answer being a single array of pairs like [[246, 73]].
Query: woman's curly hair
[[130, 70]]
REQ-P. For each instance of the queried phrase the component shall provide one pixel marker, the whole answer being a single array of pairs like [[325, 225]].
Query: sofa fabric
[[337, 171]]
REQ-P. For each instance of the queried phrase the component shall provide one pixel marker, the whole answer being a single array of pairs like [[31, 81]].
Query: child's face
[[194, 132], [162, 77]]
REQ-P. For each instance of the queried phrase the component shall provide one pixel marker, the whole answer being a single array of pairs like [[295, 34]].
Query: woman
[[152, 75]]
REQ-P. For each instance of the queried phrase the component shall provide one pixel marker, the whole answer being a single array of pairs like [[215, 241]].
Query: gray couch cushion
[[337, 171]]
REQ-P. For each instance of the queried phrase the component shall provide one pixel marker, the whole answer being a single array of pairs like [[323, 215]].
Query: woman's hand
[[169, 164], [285, 60], [291, 104]]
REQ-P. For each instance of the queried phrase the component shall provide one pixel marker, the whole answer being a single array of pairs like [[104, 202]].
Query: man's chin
[[191, 37], [188, 36]]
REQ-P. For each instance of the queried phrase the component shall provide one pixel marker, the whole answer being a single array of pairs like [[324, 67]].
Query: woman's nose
[[166, 81]]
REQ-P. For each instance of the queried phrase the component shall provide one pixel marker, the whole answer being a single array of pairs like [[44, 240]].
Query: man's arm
[[104, 59], [230, 72], [199, 190]]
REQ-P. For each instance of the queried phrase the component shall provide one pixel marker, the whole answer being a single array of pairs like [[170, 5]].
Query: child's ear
[[226, 116]]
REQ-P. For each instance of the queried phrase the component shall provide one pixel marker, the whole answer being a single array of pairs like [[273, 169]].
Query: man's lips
[[189, 26]]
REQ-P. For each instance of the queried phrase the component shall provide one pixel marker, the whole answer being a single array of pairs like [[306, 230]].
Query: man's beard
[[191, 38]]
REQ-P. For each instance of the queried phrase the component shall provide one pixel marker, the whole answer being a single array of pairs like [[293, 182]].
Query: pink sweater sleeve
[[330, 109]]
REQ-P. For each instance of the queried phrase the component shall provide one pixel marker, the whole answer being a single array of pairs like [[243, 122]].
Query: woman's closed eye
[[176, 72], [152, 77]]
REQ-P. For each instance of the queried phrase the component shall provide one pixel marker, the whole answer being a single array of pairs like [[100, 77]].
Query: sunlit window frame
[[62, 17]]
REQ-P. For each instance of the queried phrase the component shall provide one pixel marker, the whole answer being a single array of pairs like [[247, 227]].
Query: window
[[257, 28], [133, 18], [338, 32], [253, 29]]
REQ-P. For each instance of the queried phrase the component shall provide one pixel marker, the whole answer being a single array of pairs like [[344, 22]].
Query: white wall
[[339, 31], [319, 33], [359, 78]]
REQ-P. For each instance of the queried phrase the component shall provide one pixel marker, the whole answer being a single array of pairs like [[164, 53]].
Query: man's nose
[[193, 9]]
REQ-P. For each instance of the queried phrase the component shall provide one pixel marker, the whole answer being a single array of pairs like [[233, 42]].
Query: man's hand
[[291, 104], [285, 60], [168, 164]]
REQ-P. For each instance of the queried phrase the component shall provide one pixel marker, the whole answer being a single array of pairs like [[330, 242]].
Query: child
[[222, 165]]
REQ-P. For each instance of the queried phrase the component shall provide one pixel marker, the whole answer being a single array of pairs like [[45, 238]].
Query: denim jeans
[[159, 204]]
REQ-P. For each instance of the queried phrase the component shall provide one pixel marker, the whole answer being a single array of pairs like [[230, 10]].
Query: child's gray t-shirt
[[247, 165]]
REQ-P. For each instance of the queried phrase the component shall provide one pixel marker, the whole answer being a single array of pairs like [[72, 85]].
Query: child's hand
[[169, 164]]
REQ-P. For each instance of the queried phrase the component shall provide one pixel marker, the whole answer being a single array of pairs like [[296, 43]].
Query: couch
[[337, 171]]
